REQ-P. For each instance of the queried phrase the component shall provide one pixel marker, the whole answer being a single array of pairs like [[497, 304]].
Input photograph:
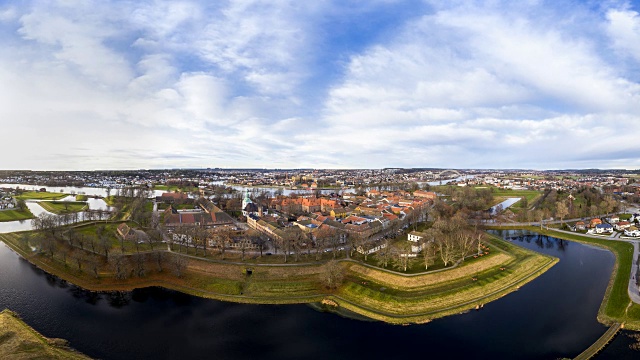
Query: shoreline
[[616, 304], [282, 285]]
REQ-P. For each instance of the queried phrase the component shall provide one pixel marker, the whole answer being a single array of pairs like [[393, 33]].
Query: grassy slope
[[36, 195], [63, 207], [19, 341], [437, 294], [13, 215], [397, 299]]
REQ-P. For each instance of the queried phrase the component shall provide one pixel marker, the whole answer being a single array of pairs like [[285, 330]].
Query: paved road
[[633, 288]]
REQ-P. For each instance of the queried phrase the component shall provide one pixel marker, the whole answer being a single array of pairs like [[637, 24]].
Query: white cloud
[[502, 83], [624, 29], [192, 84], [78, 42]]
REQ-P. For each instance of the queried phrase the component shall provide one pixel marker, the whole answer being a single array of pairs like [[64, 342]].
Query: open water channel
[[552, 317]]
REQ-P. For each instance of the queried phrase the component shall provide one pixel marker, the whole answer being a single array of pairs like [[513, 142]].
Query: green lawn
[[530, 195], [420, 298], [110, 230], [148, 206], [82, 198], [172, 188], [163, 206], [36, 195], [13, 215], [63, 207]]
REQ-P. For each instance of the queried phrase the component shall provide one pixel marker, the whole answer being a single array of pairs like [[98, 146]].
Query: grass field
[[63, 207], [82, 198], [36, 195], [172, 188], [13, 215], [163, 206], [530, 195], [19, 341], [391, 298]]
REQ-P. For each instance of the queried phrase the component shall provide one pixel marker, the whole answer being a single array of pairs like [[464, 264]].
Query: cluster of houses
[[360, 216], [611, 224], [7, 201]]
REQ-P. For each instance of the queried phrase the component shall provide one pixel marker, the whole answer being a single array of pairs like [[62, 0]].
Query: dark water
[[552, 317]]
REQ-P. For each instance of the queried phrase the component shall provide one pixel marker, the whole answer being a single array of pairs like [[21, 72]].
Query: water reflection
[[542, 241], [552, 317]]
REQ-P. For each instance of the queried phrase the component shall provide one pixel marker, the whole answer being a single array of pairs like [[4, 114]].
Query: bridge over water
[[600, 344]]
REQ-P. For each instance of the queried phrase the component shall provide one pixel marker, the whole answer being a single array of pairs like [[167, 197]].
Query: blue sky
[[324, 84]]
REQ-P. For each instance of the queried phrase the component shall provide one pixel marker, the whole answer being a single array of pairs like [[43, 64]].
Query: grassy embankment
[[372, 292], [110, 200], [616, 305], [19, 341], [175, 188], [63, 207], [36, 195], [82, 198], [13, 215], [415, 299]]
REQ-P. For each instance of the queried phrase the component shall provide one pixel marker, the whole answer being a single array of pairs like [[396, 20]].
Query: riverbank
[[15, 215], [373, 292], [63, 207], [419, 299], [19, 341], [616, 305]]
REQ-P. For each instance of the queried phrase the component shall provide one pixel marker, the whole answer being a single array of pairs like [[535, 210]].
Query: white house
[[632, 233], [415, 236], [622, 225], [604, 228]]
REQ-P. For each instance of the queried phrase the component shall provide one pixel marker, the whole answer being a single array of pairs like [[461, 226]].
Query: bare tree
[[105, 244], [154, 236], [401, 253], [159, 259], [78, 257], [93, 262], [139, 264], [384, 255], [446, 248], [466, 243], [178, 264], [429, 253], [561, 211], [539, 216], [119, 265], [223, 237], [332, 275]]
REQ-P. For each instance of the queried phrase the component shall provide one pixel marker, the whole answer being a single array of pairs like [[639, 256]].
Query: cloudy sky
[[321, 84]]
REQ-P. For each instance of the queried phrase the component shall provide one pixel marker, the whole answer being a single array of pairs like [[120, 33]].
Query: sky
[[528, 84]]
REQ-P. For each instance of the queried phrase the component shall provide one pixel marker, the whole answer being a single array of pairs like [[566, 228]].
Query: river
[[505, 204], [554, 316], [91, 191]]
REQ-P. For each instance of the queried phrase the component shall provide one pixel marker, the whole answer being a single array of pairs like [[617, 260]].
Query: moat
[[553, 316]]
